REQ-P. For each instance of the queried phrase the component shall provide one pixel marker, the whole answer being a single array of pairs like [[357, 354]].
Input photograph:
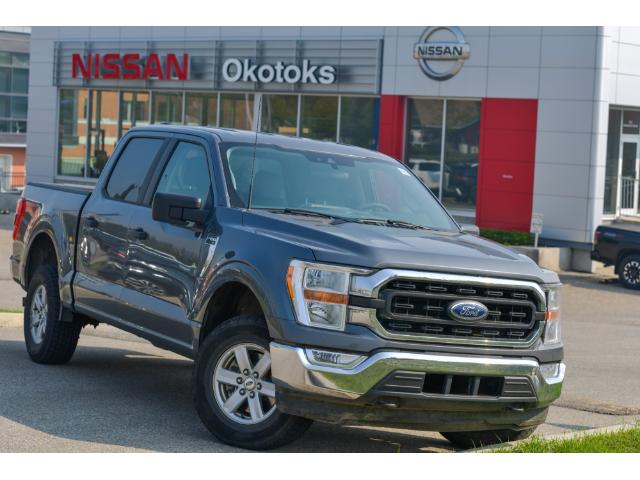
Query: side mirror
[[470, 229], [177, 209]]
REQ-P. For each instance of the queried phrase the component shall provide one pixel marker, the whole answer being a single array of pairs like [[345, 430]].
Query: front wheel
[[467, 440], [629, 272], [233, 390]]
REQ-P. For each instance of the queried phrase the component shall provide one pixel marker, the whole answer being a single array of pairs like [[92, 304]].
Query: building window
[[167, 107], [319, 117], [424, 142], [449, 169], [462, 140], [613, 157], [103, 129], [236, 110], [279, 114], [202, 109], [359, 118], [622, 171], [14, 83], [72, 132], [134, 110]]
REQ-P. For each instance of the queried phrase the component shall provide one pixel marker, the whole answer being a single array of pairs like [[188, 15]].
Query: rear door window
[[129, 174]]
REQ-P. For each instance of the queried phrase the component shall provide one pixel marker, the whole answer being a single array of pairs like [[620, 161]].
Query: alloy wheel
[[242, 384], [38, 314], [631, 272]]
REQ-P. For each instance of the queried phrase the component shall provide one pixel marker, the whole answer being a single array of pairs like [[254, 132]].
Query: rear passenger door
[[104, 227], [166, 261]]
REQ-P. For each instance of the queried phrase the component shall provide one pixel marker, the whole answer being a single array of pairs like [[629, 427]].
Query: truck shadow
[[115, 399]]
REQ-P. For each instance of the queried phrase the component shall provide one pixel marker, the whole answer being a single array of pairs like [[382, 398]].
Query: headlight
[[552, 324], [320, 293]]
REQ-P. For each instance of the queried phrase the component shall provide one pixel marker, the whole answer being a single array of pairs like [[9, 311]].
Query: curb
[[11, 319], [555, 436]]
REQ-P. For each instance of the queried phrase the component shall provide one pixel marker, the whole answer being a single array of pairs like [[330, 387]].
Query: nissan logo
[[441, 52]]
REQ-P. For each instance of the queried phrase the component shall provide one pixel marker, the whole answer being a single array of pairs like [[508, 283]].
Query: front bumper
[[373, 386]]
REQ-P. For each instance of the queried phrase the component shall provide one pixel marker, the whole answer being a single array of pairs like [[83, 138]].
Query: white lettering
[[248, 75], [266, 73], [309, 72], [292, 74], [327, 74], [236, 70], [226, 73]]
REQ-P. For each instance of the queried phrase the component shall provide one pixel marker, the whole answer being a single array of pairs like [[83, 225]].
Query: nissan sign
[[441, 52], [236, 70]]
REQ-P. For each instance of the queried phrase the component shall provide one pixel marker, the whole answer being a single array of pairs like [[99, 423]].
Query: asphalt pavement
[[119, 393]]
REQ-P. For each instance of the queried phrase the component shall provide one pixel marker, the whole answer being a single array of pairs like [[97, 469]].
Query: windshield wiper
[[390, 222], [310, 213]]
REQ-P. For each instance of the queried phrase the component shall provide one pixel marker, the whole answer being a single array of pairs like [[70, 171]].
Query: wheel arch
[[624, 253], [236, 290]]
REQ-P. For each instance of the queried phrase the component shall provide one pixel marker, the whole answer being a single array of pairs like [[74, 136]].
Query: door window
[[129, 174], [187, 172]]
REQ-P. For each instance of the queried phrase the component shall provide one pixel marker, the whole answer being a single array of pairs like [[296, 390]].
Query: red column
[[391, 130], [506, 163]]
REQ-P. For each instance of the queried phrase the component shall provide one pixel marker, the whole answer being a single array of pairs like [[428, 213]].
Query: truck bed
[[54, 210]]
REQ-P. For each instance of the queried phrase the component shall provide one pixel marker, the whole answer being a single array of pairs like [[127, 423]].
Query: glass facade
[[167, 107], [72, 132], [359, 120], [134, 110], [236, 110], [279, 114], [443, 138], [319, 118], [91, 121], [202, 109], [14, 85]]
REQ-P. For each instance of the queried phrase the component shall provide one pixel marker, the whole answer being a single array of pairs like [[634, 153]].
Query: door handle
[[139, 233], [91, 222]]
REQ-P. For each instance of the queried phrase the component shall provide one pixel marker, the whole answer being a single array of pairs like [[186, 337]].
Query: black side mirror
[[471, 229], [178, 209]]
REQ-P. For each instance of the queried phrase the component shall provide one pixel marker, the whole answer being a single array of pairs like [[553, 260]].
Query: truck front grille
[[421, 308]]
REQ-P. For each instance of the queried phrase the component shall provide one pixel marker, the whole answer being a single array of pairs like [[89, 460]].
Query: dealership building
[[502, 123]]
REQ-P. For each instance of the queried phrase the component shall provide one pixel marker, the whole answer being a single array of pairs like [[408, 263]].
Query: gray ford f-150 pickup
[[308, 280]]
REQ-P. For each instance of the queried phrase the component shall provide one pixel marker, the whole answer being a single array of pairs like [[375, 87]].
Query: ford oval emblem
[[468, 311]]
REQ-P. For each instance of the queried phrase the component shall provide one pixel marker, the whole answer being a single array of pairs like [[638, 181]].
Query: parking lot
[[121, 394]]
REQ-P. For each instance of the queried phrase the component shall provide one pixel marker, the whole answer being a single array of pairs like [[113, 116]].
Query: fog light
[[552, 372], [333, 359]]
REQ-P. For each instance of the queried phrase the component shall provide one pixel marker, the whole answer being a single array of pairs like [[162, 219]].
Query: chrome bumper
[[295, 368]]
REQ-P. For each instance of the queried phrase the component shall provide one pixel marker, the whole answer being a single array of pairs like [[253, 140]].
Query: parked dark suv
[[308, 280]]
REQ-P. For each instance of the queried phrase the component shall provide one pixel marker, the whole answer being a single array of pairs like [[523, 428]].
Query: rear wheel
[[629, 272], [487, 437], [48, 340], [233, 390]]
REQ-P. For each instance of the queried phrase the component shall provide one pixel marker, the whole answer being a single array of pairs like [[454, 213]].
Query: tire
[[49, 341], [467, 440], [219, 380], [629, 272]]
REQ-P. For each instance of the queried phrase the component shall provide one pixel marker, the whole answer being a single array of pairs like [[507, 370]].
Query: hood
[[375, 246]]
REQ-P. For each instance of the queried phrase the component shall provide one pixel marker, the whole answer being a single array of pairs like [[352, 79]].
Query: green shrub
[[507, 237]]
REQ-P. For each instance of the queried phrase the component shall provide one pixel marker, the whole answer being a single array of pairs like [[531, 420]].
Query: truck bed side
[[50, 218]]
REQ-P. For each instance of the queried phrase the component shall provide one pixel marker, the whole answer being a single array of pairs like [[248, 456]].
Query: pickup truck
[[307, 280], [619, 245]]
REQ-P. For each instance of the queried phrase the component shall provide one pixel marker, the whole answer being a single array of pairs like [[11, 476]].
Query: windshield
[[345, 186]]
